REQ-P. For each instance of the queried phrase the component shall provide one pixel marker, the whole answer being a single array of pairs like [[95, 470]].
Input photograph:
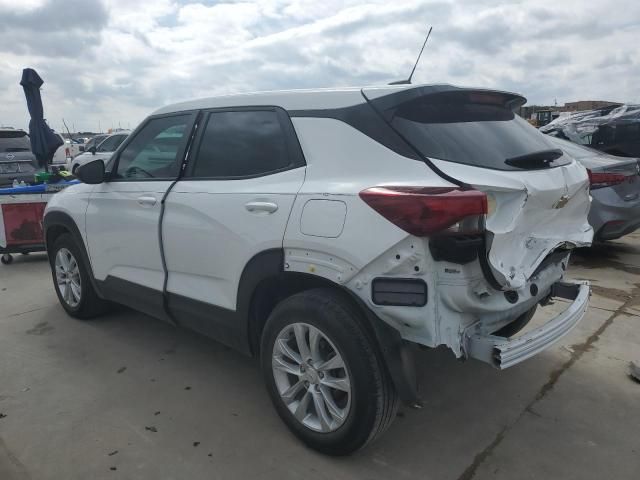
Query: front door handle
[[147, 201], [261, 207]]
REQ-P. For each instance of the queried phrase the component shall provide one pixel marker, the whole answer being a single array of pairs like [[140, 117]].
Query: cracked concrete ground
[[128, 397]]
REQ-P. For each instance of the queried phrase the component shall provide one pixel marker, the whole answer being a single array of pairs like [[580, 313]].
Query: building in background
[[541, 115]]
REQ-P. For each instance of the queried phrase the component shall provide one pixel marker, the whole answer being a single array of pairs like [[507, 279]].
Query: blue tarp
[[35, 189]]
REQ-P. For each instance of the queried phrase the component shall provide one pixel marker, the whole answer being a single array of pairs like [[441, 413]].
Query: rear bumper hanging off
[[504, 352]]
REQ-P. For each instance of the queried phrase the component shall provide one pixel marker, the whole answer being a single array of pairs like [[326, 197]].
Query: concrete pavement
[[128, 397]]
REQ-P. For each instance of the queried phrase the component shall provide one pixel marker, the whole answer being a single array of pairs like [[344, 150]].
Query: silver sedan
[[615, 190]]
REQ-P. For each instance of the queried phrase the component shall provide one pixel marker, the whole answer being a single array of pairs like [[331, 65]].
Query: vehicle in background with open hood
[[328, 231]]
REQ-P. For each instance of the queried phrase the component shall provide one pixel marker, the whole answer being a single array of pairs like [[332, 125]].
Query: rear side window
[[17, 141], [476, 129], [238, 144]]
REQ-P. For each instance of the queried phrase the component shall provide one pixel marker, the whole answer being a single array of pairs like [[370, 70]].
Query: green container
[[43, 177]]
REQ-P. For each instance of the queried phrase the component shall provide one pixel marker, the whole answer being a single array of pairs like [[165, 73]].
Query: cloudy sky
[[111, 62]]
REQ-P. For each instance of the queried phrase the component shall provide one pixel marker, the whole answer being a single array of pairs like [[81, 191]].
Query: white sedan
[[103, 151]]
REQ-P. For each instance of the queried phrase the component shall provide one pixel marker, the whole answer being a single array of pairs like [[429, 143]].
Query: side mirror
[[91, 172], [93, 150]]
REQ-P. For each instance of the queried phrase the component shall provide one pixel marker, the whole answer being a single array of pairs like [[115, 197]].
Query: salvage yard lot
[[126, 396]]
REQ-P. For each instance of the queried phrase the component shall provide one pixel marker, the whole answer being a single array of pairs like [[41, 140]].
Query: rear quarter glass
[[468, 128]]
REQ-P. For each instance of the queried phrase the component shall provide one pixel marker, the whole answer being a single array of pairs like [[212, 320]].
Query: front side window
[[241, 144], [153, 153]]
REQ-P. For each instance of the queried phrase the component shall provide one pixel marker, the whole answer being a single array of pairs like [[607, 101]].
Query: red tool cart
[[21, 224], [21, 211]]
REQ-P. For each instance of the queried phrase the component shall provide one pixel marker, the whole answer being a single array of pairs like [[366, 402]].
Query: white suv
[[329, 231]]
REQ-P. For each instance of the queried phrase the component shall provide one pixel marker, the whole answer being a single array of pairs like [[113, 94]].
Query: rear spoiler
[[386, 102]]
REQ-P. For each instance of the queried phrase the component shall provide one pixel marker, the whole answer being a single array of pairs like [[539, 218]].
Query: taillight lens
[[423, 211], [604, 179]]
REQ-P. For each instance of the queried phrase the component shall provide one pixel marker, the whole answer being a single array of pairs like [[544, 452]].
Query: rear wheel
[[72, 281], [323, 373]]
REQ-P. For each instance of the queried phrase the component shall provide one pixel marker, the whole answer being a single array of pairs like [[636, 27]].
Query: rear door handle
[[147, 201], [261, 207]]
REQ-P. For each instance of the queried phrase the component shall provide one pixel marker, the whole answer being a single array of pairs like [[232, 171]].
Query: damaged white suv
[[328, 231]]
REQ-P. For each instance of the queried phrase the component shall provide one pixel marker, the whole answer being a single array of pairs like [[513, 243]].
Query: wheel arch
[[56, 223]]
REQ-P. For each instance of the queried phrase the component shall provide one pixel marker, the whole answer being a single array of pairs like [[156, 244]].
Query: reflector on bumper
[[505, 352]]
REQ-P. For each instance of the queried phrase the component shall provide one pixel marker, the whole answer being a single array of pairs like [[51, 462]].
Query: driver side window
[[154, 152]]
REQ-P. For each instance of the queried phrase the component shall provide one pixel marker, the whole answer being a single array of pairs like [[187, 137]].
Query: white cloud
[[118, 63]]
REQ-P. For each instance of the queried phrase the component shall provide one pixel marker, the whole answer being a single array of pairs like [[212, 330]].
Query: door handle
[[147, 201], [261, 207]]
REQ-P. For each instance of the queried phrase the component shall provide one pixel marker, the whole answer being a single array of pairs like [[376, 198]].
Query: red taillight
[[604, 179], [424, 211], [67, 152]]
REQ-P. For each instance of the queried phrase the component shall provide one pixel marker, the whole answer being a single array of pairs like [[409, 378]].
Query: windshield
[[111, 144], [473, 129], [17, 141]]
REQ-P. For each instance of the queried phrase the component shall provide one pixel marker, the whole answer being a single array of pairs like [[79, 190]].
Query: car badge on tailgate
[[10, 156], [564, 199]]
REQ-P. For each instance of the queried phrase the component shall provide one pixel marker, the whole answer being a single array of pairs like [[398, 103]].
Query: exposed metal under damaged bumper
[[504, 352]]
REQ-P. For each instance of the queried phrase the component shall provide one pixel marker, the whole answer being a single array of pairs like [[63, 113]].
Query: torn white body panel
[[534, 213]]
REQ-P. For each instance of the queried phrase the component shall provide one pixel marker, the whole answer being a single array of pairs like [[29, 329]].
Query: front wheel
[[324, 374], [72, 281]]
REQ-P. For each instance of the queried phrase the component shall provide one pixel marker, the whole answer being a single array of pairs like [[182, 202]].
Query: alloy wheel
[[68, 277], [311, 377]]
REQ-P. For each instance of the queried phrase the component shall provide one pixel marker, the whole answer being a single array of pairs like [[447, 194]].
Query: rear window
[[476, 129], [17, 141]]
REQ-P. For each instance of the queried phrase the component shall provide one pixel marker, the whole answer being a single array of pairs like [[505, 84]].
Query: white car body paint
[[209, 233], [211, 230], [122, 232], [535, 213]]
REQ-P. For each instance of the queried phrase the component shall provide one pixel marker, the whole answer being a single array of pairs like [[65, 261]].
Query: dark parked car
[[16, 160], [615, 190]]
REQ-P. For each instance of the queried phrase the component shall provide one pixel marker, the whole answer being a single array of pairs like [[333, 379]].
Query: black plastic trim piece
[[364, 118], [185, 156], [397, 355], [143, 299], [233, 328], [459, 249], [210, 320], [401, 292]]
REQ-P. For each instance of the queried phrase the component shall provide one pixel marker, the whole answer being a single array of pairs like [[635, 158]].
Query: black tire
[[374, 401], [90, 304], [6, 258], [518, 324]]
